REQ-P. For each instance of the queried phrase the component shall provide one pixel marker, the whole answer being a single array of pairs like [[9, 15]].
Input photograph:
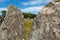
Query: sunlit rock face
[[12, 27], [48, 9], [51, 8], [46, 25]]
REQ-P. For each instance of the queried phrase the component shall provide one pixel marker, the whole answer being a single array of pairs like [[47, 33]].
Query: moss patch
[[28, 25]]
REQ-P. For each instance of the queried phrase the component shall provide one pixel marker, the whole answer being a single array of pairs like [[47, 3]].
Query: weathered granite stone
[[46, 25], [1, 19], [12, 27], [56, 0]]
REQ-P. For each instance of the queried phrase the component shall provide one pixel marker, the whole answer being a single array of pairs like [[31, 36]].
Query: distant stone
[[12, 27], [46, 25]]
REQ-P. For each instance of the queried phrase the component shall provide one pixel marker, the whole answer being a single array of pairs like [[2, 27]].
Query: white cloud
[[1, 9], [30, 3], [34, 9], [34, 2]]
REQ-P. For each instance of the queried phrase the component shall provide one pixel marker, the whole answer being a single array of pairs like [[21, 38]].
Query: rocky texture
[[46, 25], [12, 27], [51, 8], [1, 19], [56, 0]]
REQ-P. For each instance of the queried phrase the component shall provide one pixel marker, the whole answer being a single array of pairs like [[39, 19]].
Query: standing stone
[[46, 25], [1, 20], [12, 27]]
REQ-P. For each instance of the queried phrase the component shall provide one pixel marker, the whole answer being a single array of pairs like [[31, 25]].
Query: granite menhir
[[46, 25], [12, 27]]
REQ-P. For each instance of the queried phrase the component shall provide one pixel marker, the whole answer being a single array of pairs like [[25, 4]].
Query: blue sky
[[33, 6]]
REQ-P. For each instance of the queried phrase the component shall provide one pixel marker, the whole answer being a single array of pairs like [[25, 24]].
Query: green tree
[[3, 13], [29, 15]]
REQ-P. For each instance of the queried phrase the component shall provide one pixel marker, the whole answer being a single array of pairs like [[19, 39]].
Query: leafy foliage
[[3, 13], [26, 15], [29, 15]]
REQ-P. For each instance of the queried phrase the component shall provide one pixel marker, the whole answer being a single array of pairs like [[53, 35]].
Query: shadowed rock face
[[1, 20], [12, 27], [46, 25], [56, 0]]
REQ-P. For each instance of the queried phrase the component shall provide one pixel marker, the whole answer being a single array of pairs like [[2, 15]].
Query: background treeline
[[26, 15], [29, 15]]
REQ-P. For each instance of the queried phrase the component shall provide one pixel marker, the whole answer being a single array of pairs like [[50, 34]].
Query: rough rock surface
[[1, 20], [46, 25], [56, 0], [12, 27]]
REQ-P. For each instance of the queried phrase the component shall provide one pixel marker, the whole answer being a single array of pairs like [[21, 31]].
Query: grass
[[28, 24]]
